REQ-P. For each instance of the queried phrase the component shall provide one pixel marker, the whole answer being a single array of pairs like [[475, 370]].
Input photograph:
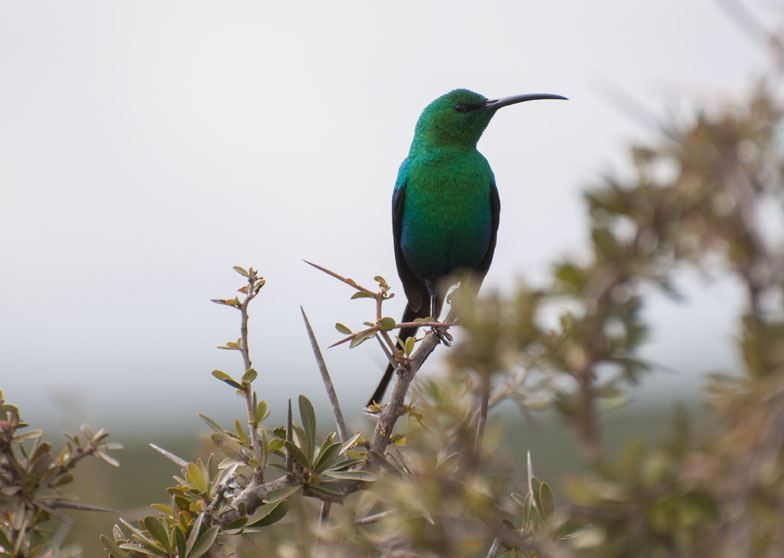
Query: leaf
[[361, 294], [280, 494], [409, 347], [269, 516], [274, 445], [327, 489], [349, 443], [222, 376], [240, 432], [195, 476], [139, 549], [308, 416], [230, 447], [387, 324], [204, 542], [158, 531], [108, 543], [107, 458], [261, 411], [343, 329], [364, 476], [212, 423], [194, 534], [29, 435], [179, 538], [546, 499], [361, 338], [327, 457], [241, 271], [162, 507], [249, 375], [297, 454], [528, 506]]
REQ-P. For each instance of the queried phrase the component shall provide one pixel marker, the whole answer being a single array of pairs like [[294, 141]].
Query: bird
[[445, 206]]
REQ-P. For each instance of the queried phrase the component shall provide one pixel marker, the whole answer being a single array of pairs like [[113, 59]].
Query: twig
[[179, 461], [323, 516], [68, 504], [494, 548], [483, 405], [375, 518], [346, 280], [289, 438], [331, 394], [377, 328]]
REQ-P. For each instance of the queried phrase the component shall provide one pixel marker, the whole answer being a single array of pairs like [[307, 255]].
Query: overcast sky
[[146, 147]]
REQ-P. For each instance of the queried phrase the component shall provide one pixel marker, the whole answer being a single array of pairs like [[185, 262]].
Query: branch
[[333, 397]]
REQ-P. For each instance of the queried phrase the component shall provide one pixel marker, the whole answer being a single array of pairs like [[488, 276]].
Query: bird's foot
[[443, 335]]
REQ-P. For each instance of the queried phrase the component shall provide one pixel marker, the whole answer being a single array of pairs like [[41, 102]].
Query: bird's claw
[[443, 335]]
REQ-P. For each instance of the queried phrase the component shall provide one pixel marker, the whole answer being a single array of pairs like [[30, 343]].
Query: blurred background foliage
[[706, 193]]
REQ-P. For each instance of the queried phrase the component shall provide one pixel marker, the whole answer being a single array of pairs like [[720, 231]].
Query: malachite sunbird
[[445, 205]]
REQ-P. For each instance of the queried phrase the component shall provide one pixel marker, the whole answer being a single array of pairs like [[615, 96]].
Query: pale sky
[[147, 146]]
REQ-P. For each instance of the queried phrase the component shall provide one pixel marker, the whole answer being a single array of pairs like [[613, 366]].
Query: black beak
[[493, 104]]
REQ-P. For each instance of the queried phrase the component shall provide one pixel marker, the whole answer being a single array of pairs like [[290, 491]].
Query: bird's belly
[[443, 232]]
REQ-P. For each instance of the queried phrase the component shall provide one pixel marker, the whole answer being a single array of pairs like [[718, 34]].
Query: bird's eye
[[459, 107]]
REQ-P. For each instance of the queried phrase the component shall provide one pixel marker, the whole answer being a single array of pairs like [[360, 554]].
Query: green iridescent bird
[[445, 205]]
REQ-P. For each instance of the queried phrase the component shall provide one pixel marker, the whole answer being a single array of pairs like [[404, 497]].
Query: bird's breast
[[447, 218]]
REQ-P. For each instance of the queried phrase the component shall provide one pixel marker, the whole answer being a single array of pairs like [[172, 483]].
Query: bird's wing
[[495, 212], [415, 291]]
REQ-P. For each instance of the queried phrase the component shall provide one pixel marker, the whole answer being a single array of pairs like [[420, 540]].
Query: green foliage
[[32, 478]]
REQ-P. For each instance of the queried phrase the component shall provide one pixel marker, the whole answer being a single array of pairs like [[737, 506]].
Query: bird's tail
[[409, 315]]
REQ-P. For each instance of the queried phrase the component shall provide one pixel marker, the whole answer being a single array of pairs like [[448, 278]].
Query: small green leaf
[[107, 458], [308, 416], [361, 294], [240, 432], [249, 375], [361, 338], [261, 411], [158, 531], [409, 347], [274, 445], [349, 443], [212, 423], [29, 435], [387, 324], [528, 511], [195, 476], [228, 446], [342, 329], [327, 489], [108, 543], [365, 476], [327, 457], [297, 454], [546, 499], [204, 542], [280, 494], [194, 534], [179, 538], [241, 271], [222, 376], [269, 516]]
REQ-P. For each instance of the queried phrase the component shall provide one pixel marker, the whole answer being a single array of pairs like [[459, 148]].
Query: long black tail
[[406, 332]]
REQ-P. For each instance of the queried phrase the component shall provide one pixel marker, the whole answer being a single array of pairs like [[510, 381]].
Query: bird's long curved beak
[[493, 104]]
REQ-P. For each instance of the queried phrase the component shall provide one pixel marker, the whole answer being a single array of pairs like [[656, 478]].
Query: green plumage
[[445, 206], [447, 222]]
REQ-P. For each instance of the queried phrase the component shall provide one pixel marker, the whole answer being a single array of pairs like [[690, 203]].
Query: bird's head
[[459, 117]]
